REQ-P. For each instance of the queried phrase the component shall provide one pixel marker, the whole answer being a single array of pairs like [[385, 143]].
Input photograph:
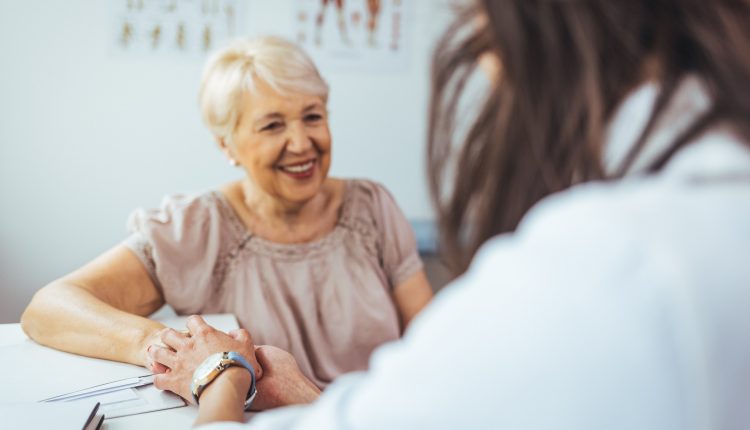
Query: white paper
[[149, 399], [115, 397]]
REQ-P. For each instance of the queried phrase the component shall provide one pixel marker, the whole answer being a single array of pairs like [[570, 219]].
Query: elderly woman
[[324, 268]]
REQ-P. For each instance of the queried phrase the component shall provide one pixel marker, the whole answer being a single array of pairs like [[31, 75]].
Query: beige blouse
[[327, 302]]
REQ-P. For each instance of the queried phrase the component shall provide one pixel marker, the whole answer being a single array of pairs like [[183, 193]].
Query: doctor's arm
[[98, 310]]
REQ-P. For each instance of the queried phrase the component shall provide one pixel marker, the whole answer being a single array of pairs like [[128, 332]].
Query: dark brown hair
[[564, 67]]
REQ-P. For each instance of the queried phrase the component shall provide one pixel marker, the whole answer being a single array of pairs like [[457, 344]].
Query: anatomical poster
[[355, 35], [187, 28]]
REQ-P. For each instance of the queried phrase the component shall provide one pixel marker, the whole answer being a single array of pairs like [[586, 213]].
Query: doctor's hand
[[185, 352], [283, 383]]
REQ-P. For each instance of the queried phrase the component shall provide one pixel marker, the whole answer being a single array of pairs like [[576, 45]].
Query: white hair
[[233, 71]]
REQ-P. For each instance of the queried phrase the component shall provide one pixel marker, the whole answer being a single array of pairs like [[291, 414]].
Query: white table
[[33, 372]]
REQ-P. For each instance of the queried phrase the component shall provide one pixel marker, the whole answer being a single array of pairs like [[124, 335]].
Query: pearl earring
[[233, 162]]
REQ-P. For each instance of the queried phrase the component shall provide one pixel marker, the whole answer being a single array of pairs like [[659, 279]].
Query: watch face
[[208, 366]]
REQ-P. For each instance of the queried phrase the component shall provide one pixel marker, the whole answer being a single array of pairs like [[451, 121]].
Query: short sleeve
[[179, 244], [397, 244]]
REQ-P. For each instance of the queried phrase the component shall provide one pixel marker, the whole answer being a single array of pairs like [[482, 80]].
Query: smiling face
[[284, 144]]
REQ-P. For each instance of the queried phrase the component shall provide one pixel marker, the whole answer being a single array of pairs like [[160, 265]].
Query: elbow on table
[[34, 320]]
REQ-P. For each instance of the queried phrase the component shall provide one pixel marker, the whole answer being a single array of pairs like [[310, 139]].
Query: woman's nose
[[299, 139]]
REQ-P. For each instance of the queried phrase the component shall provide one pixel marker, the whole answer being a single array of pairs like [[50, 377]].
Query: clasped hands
[[280, 382]]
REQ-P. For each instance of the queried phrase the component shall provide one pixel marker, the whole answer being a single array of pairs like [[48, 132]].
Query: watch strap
[[252, 391], [220, 362]]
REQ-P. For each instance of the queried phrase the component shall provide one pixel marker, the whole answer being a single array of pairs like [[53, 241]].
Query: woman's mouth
[[302, 170]]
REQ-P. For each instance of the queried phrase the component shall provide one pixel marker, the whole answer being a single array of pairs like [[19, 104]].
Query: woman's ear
[[489, 63], [224, 147]]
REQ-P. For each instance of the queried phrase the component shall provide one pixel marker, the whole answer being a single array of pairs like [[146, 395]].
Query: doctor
[[607, 181]]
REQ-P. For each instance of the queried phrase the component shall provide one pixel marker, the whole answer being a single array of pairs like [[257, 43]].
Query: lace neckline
[[247, 238]]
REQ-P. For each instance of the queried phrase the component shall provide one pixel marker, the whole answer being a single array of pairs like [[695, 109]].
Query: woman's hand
[[153, 339], [283, 383], [184, 353]]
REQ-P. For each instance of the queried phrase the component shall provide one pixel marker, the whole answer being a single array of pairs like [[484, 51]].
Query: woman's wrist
[[300, 391], [149, 335], [310, 393]]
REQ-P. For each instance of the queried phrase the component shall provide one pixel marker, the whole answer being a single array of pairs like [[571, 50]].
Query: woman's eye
[[313, 117], [272, 126]]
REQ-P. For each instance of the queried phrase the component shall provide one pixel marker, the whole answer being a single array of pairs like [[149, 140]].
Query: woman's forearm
[[72, 319]]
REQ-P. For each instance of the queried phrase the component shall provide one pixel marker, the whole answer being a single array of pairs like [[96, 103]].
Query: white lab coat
[[613, 306]]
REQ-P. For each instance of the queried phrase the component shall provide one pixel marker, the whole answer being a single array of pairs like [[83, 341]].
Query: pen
[[109, 387]]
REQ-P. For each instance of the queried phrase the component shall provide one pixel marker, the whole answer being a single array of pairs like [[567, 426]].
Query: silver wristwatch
[[213, 366]]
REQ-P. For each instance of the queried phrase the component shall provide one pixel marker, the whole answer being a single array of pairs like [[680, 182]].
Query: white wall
[[87, 136]]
